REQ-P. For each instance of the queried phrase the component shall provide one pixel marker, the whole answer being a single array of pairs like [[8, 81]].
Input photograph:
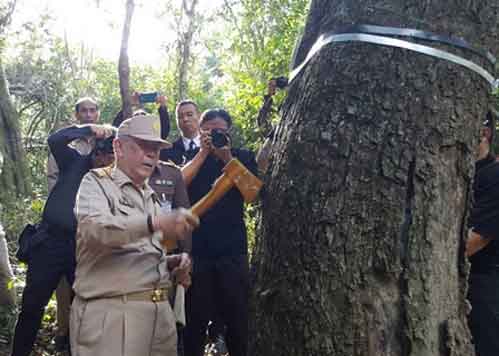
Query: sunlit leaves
[[256, 46]]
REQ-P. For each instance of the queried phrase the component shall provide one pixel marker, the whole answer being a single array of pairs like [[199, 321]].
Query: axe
[[234, 174]]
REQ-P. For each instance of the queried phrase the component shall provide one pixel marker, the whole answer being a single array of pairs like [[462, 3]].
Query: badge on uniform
[[165, 206], [166, 182]]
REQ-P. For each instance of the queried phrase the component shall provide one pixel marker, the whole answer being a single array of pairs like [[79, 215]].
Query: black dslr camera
[[219, 138], [104, 145], [281, 82]]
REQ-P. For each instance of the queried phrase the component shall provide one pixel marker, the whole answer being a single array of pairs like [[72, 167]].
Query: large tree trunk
[[364, 218], [123, 64]]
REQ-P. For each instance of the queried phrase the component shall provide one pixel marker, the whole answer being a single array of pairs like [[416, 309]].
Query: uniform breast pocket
[[124, 209]]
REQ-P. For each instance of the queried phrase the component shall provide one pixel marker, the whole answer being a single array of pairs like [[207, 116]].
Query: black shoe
[[62, 343]]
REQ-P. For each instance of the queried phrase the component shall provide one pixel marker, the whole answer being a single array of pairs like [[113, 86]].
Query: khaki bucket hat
[[144, 127]]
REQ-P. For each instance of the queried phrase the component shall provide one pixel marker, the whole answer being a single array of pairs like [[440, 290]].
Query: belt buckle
[[157, 295]]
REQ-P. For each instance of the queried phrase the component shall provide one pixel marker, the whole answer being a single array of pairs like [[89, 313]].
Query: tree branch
[[123, 64]]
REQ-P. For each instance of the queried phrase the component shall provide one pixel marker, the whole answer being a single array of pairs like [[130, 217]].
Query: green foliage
[[47, 75], [7, 323], [250, 218], [19, 212], [262, 36]]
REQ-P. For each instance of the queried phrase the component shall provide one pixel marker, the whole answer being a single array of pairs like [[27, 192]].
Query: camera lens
[[219, 139]]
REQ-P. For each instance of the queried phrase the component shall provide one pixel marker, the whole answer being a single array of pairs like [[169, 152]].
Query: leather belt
[[152, 295]]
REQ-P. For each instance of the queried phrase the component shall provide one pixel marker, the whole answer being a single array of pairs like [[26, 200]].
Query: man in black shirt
[[55, 256], [482, 247], [220, 280], [183, 150]]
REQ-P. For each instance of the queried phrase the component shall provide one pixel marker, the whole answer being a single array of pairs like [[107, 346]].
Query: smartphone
[[149, 97]]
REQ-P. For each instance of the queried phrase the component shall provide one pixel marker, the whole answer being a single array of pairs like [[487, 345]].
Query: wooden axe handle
[[221, 186]]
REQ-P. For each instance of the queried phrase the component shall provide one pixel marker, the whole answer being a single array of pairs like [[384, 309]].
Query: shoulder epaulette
[[102, 172]]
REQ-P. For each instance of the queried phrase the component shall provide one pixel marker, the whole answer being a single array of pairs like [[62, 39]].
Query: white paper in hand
[[179, 306]]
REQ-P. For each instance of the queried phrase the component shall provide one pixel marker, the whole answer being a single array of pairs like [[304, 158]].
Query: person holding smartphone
[[138, 99]]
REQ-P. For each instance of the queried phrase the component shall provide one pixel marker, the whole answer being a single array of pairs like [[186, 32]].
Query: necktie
[[192, 145]]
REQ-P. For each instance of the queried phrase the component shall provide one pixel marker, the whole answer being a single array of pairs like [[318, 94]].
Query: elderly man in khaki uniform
[[123, 275]]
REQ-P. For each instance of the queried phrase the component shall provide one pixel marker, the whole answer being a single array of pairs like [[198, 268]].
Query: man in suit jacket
[[187, 145]]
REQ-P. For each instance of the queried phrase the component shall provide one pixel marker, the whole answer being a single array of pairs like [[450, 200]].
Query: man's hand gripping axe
[[234, 174]]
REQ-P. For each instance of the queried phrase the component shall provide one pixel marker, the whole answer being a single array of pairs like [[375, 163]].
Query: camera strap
[[383, 36]]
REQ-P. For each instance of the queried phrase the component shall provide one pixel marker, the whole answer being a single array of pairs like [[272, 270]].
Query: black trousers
[[219, 287], [52, 259], [484, 317]]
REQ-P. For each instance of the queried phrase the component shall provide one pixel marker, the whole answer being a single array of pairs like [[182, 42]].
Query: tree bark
[[14, 177], [7, 295], [184, 47], [6, 10], [364, 214], [123, 65]]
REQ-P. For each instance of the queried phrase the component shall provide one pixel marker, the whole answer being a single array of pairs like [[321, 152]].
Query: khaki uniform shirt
[[83, 146], [169, 185], [115, 252]]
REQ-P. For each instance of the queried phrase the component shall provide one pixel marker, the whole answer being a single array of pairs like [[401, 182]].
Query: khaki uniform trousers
[[115, 327]]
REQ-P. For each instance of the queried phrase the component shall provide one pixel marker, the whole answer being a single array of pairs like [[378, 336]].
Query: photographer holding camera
[[86, 112], [220, 280]]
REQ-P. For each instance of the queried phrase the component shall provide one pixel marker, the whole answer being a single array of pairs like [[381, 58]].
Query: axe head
[[247, 183]]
